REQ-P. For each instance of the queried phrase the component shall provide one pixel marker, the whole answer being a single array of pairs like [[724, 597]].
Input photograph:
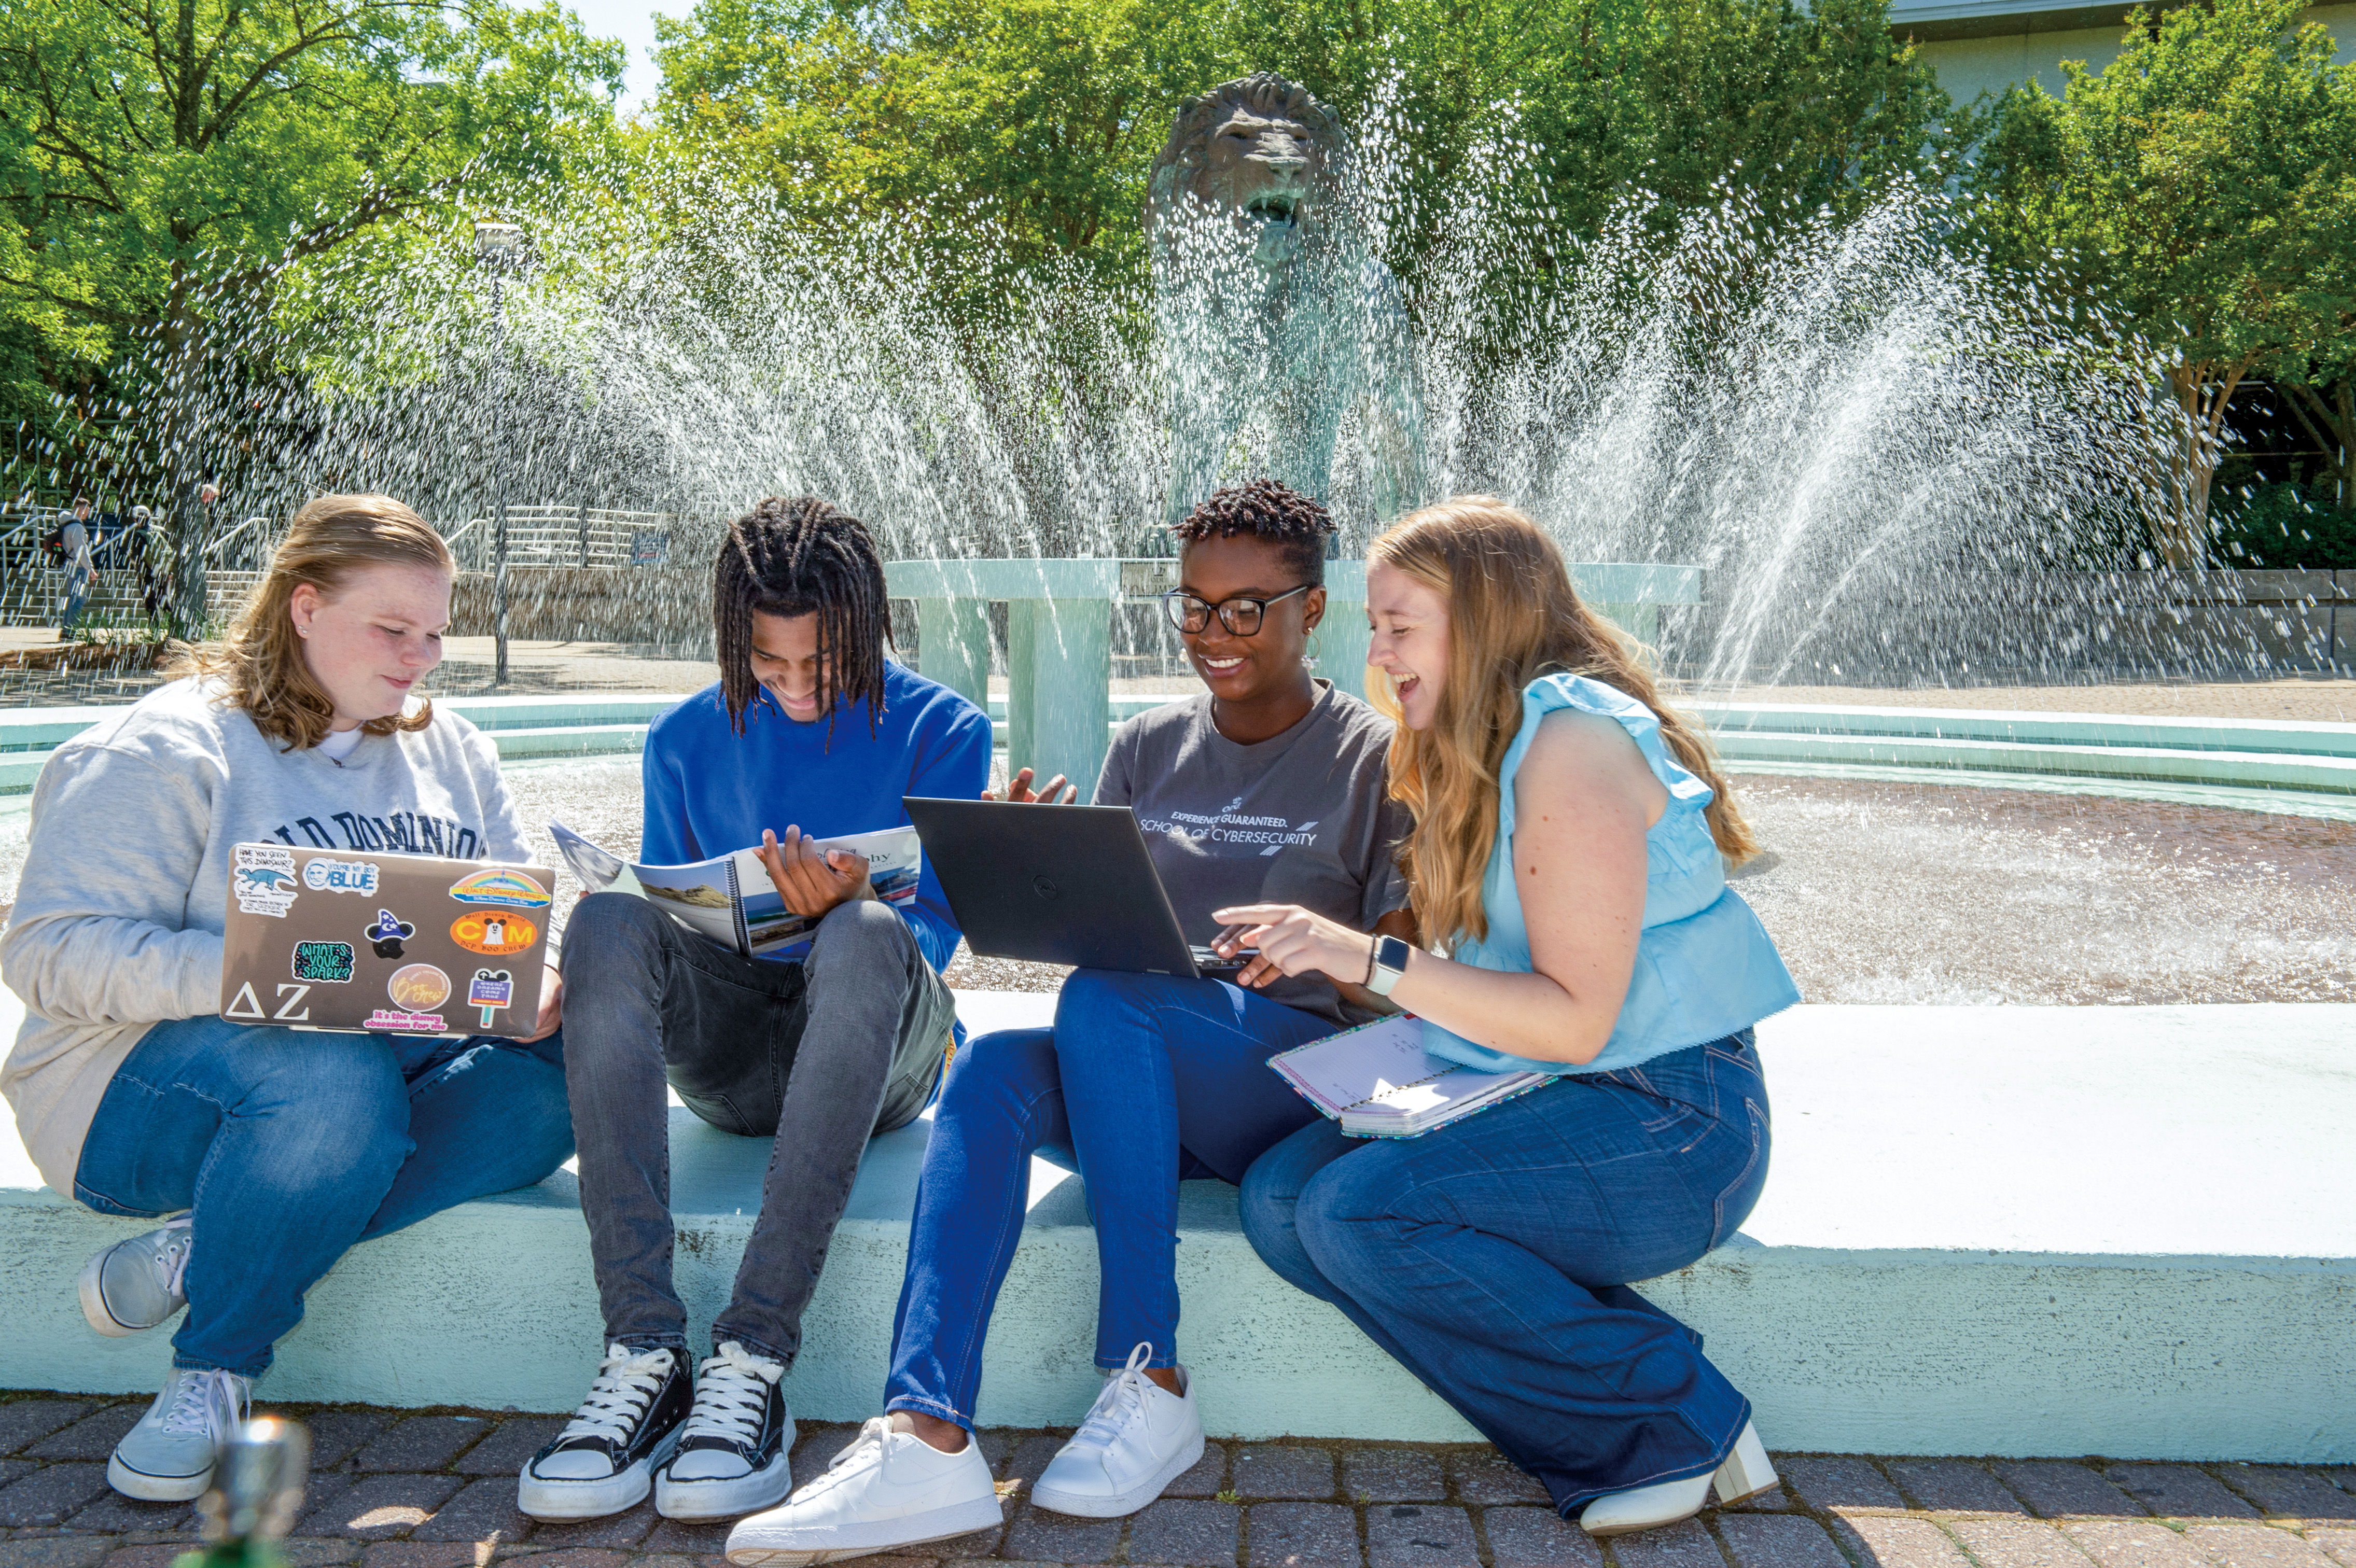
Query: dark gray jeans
[[819, 1055]]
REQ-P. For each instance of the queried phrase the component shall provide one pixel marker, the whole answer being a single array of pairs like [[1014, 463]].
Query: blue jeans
[[78, 587], [290, 1146], [1144, 1080], [1492, 1258]]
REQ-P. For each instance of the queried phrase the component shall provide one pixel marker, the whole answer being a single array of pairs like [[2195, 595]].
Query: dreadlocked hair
[[801, 557], [1266, 509]]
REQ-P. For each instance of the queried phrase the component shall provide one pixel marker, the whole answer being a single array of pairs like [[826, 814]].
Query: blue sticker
[[340, 876], [389, 932]]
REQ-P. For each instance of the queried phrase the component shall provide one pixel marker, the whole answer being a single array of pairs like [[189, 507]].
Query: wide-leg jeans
[[1493, 1257], [289, 1145]]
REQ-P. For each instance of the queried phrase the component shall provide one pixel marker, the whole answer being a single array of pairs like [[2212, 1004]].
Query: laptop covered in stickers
[[338, 939]]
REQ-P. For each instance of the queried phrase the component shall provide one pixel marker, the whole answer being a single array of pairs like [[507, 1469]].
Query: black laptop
[[1058, 884]]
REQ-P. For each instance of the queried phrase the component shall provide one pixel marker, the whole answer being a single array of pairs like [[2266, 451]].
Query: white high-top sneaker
[[1745, 1474], [168, 1457], [1139, 1438], [889, 1488]]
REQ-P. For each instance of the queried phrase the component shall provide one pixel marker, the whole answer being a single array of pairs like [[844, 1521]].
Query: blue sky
[[633, 22]]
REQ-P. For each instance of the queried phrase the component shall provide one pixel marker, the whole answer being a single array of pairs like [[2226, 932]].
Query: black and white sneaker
[[731, 1458], [604, 1459]]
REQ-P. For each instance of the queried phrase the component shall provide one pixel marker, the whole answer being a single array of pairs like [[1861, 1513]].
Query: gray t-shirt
[[1300, 819]]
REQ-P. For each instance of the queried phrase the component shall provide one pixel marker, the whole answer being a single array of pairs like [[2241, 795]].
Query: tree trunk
[[2202, 389]]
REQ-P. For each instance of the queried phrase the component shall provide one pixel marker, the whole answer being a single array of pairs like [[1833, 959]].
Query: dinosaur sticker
[[262, 878]]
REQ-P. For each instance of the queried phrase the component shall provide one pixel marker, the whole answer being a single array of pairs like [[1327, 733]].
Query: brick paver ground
[[437, 1489]]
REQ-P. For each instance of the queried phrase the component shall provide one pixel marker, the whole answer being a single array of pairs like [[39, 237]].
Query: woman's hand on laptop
[[1292, 941], [1019, 791], [811, 879]]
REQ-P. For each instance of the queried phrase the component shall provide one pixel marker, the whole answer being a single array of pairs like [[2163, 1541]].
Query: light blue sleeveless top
[[1705, 967]]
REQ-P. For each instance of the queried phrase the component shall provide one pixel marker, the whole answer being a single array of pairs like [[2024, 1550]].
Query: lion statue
[[1277, 322]]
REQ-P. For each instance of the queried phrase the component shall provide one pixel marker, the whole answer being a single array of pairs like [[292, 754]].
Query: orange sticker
[[493, 932]]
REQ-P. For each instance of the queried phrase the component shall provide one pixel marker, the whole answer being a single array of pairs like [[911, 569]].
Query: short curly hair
[[1268, 509]]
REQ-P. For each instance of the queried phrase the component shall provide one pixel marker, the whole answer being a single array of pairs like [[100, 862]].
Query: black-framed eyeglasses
[[1241, 617]]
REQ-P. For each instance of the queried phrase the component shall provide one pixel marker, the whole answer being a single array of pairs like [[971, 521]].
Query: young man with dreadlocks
[[1268, 779], [809, 734]]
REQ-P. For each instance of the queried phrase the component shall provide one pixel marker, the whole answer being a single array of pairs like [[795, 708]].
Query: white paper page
[[1463, 1085], [1347, 1069]]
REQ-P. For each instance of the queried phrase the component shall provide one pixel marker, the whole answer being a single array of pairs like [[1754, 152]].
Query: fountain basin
[[1059, 634], [2091, 1229]]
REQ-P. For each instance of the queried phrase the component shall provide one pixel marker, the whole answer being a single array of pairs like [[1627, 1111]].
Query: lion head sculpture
[[1263, 150]]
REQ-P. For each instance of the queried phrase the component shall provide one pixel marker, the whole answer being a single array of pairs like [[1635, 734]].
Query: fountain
[[1807, 452]]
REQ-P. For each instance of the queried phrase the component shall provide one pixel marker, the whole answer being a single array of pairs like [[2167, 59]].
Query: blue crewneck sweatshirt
[[710, 791]]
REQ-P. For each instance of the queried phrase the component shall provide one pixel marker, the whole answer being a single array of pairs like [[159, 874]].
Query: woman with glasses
[[1266, 787]]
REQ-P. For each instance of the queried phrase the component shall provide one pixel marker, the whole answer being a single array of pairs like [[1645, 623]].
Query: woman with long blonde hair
[[1568, 872], [276, 1149]]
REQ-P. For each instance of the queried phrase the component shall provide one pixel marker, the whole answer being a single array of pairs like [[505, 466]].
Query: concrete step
[[2006, 1231]]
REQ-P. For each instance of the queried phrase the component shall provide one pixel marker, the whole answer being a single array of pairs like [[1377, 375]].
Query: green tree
[[2198, 195], [162, 159], [1024, 128]]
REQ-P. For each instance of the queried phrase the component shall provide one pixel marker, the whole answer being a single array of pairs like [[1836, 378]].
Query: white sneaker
[[1744, 1475], [137, 1285], [889, 1488], [604, 1459], [168, 1457], [731, 1457], [1139, 1438]]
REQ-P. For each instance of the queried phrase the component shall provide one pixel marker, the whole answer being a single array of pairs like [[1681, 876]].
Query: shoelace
[[872, 1433], [172, 1253], [730, 1394], [626, 1384], [211, 1404], [1123, 1397]]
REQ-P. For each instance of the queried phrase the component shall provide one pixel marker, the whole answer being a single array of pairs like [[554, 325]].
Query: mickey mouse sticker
[[387, 933]]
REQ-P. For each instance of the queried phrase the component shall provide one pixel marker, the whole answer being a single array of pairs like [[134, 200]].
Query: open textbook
[[730, 897], [1378, 1082]]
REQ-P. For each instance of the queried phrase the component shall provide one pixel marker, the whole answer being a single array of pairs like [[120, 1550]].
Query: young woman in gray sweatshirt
[[276, 1149]]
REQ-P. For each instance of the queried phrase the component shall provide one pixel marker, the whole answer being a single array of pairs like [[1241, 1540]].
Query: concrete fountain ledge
[[2007, 1231], [2279, 766]]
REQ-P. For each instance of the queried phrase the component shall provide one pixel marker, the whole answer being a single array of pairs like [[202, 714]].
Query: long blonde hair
[[260, 665], [1513, 616]]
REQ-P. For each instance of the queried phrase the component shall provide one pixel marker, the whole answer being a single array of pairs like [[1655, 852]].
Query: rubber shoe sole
[[1080, 1505], [93, 1303], [150, 1489], [731, 1499], [551, 1498], [752, 1545]]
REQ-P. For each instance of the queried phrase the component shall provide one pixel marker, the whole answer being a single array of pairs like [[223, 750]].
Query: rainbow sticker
[[500, 886]]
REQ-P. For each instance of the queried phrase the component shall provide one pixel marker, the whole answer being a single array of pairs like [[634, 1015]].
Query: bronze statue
[[1275, 320]]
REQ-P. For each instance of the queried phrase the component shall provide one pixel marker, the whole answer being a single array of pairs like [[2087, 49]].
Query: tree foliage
[[157, 156], [1022, 130], [2199, 194]]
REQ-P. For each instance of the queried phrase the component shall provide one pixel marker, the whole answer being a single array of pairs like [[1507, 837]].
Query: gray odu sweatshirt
[[118, 920]]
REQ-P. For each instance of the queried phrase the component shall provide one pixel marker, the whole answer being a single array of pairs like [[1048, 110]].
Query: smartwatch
[[1390, 963]]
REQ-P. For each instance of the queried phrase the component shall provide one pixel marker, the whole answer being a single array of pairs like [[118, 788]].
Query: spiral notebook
[[1378, 1082]]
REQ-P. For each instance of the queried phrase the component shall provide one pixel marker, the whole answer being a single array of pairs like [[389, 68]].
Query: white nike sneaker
[[168, 1457], [889, 1488], [731, 1457], [1139, 1438]]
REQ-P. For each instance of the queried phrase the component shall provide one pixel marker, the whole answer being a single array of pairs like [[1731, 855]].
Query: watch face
[[1390, 953]]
